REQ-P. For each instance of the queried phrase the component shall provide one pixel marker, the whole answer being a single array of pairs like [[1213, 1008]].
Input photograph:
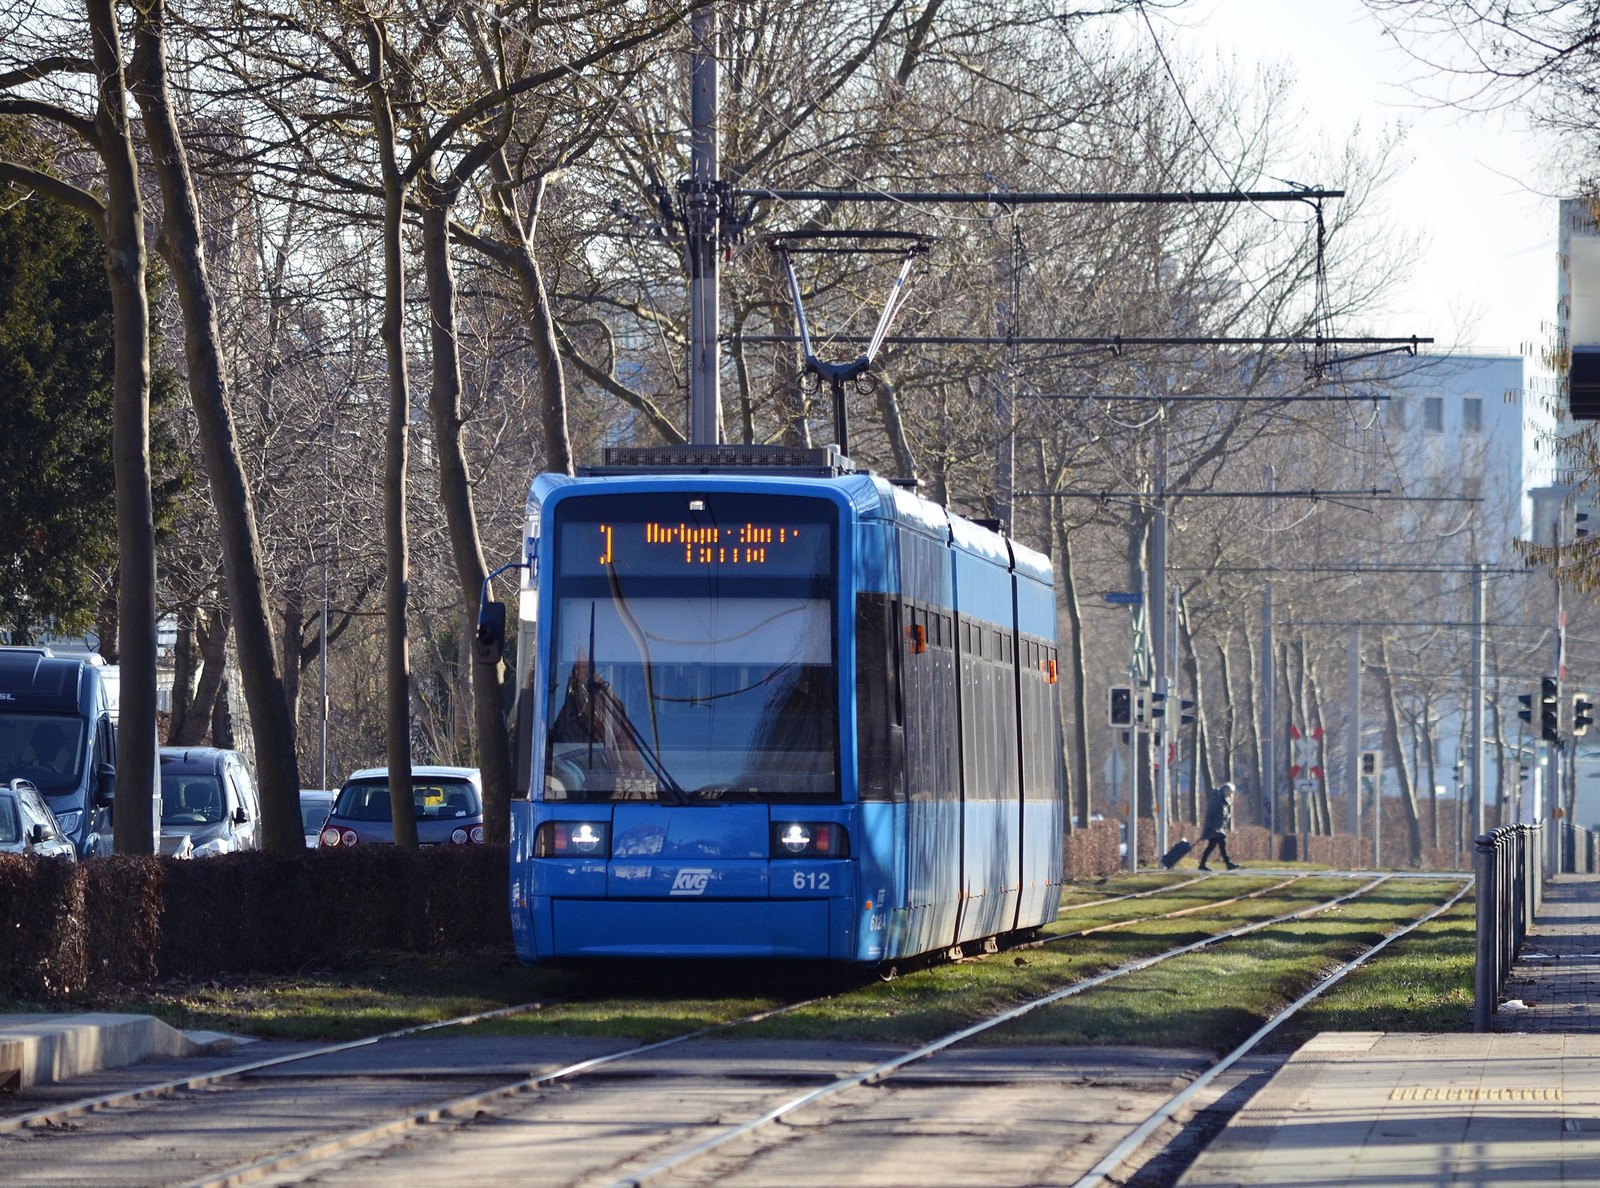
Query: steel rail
[[58, 1114], [885, 1069], [1172, 915], [470, 1104], [1078, 907], [1101, 1172]]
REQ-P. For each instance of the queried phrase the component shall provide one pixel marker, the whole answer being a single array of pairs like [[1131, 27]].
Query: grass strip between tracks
[[1425, 984]]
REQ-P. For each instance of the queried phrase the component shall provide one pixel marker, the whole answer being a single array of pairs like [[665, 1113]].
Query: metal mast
[[701, 201]]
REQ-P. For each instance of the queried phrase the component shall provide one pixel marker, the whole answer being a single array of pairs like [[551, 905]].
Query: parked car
[[57, 732], [27, 826], [448, 802], [314, 806], [208, 803]]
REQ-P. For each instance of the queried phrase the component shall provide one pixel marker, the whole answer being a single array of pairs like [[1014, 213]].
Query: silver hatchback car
[[447, 801], [27, 826]]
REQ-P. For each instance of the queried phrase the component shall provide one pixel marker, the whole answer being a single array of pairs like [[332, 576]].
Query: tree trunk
[[130, 432], [294, 624], [185, 669], [1230, 719], [212, 647], [1079, 791], [396, 542], [277, 771], [1397, 755], [905, 462], [537, 314], [455, 490]]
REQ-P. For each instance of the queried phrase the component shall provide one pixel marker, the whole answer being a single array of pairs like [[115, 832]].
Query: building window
[[1397, 412], [1472, 414], [1433, 414]]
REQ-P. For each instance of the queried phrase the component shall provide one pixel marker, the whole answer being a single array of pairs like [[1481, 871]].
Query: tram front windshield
[[692, 650]]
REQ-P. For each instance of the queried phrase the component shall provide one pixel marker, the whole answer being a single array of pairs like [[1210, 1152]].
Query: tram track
[[328, 1152]]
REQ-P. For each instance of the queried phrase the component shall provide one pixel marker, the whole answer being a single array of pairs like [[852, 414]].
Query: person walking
[[1219, 823]]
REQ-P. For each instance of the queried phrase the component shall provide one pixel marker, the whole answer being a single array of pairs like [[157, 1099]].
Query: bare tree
[[182, 246], [114, 203]]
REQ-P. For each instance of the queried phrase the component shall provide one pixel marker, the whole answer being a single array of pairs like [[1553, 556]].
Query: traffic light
[[1119, 707], [1582, 714], [1369, 763], [1185, 712], [1549, 710], [1526, 712], [1158, 705]]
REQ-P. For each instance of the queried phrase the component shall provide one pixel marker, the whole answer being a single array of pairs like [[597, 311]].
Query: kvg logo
[[691, 880]]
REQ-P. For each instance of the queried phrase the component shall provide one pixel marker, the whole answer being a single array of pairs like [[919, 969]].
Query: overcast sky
[[1471, 184]]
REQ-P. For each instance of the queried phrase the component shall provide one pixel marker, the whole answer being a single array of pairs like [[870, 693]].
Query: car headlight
[[69, 821], [217, 845]]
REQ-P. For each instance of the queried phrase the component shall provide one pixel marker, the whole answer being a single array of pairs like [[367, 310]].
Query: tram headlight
[[565, 839], [809, 839]]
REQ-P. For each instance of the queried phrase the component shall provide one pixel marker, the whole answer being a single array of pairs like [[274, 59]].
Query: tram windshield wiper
[[647, 751]]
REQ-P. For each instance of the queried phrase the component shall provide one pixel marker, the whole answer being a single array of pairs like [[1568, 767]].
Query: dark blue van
[[57, 732]]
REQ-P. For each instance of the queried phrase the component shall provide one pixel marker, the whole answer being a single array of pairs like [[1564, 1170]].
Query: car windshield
[[10, 822], [45, 749], [191, 799], [693, 662], [434, 799]]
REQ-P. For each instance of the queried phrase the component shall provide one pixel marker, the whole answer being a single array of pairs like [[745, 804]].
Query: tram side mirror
[[489, 640]]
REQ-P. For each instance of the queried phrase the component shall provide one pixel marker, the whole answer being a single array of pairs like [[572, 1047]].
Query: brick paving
[[1517, 1106], [1557, 975]]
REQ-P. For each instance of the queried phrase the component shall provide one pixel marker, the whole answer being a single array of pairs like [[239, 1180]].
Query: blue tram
[[779, 708]]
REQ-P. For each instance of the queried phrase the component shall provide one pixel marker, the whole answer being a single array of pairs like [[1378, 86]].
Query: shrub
[[237, 913], [43, 948], [368, 897], [122, 918], [467, 896]]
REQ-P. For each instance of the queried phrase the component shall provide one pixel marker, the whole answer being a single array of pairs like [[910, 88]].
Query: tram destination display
[[705, 538]]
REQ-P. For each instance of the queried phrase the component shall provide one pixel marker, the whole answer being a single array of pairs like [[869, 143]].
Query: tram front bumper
[[815, 929]]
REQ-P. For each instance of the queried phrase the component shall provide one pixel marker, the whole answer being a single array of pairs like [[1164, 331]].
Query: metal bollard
[[1485, 985], [1508, 865]]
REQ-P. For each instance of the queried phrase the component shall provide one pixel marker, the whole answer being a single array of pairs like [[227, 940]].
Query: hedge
[[121, 920]]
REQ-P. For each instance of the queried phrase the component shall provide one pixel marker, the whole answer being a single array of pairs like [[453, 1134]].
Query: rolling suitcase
[[1175, 855]]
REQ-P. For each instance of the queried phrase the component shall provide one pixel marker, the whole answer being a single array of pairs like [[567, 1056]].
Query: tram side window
[[879, 738]]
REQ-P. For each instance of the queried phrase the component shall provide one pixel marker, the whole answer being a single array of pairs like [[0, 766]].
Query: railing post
[[1485, 984]]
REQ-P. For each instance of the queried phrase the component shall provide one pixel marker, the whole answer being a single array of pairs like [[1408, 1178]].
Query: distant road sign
[[1122, 598]]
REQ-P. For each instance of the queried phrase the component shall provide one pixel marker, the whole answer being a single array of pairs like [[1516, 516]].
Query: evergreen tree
[[58, 538]]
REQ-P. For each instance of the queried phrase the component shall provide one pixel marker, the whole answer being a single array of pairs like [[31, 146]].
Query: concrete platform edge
[[43, 1049]]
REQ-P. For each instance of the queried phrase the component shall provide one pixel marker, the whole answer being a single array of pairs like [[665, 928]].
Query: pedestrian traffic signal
[[1185, 712], [1369, 763], [1158, 705], [1120, 706], [1549, 710], [1582, 714]]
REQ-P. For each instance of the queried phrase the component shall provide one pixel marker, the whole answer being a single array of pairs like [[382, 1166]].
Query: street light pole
[[327, 452]]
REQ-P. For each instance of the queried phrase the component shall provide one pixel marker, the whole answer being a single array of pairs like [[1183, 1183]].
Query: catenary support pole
[[1269, 680], [1353, 735], [1475, 760], [701, 203]]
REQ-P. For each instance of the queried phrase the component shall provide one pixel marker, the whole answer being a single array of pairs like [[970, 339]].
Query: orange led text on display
[[747, 544]]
